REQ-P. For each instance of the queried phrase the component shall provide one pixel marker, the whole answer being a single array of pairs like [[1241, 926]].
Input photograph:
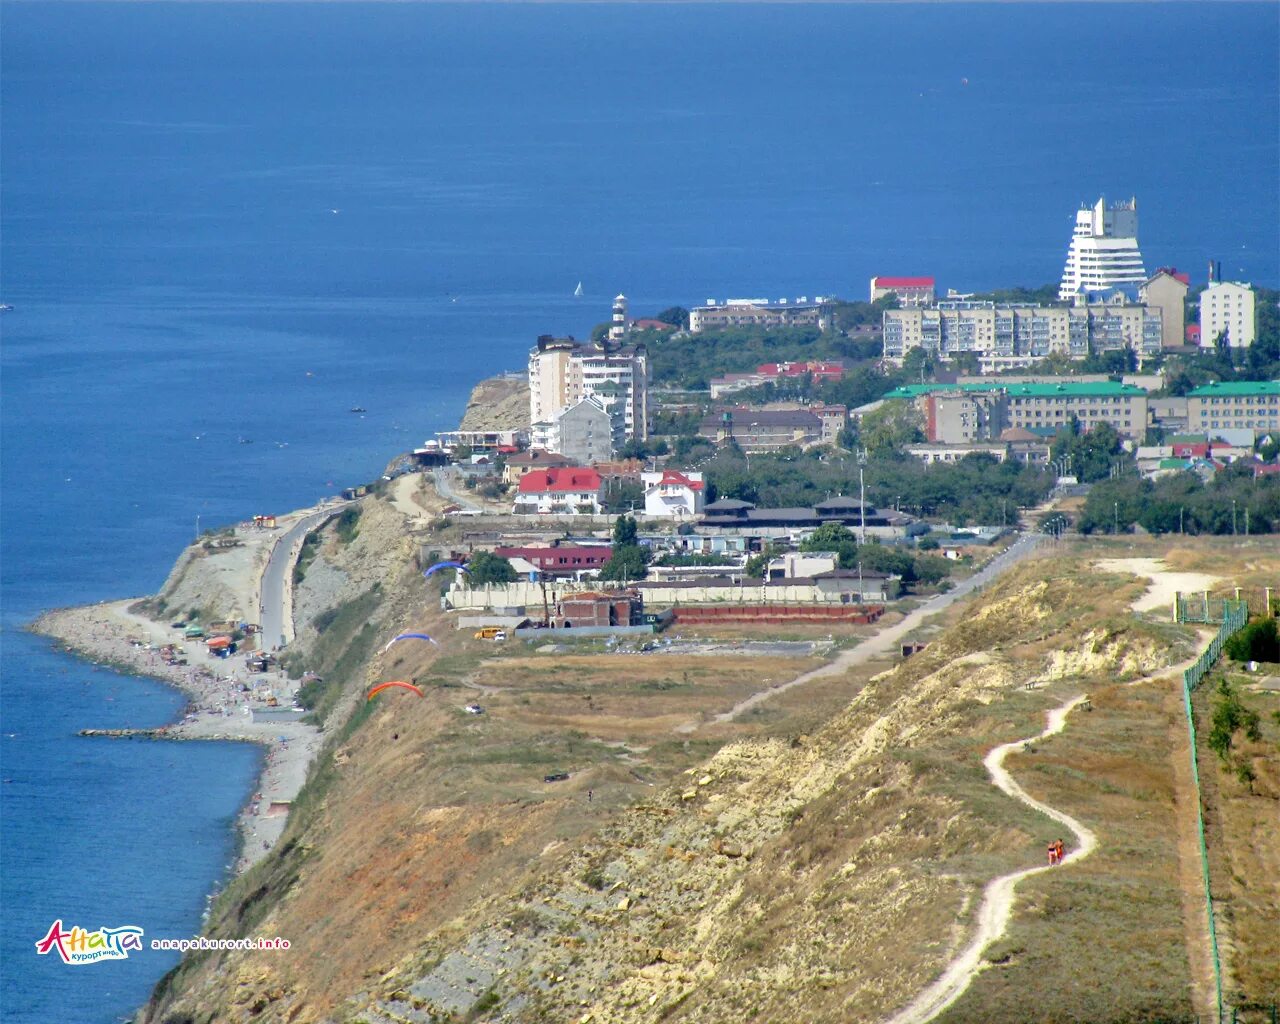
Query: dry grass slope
[[806, 879]]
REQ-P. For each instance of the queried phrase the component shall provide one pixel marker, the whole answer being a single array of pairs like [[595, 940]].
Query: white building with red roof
[[673, 494], [911, 291], [565, 491]]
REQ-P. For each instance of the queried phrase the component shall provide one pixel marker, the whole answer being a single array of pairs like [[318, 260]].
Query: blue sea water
[[238, 221]]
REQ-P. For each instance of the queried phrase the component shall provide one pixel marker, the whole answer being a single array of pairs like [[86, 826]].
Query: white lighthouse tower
[[618, 326]]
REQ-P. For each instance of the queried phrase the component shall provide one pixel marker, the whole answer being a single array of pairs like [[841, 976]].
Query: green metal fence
[[1234, 616]]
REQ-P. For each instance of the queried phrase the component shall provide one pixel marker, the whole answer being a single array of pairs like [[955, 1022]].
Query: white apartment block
[[563, 372], [1008, 336], [1227, 308], [1104, 250]]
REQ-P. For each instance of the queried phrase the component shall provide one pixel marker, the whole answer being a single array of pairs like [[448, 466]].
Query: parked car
[[556, 777]]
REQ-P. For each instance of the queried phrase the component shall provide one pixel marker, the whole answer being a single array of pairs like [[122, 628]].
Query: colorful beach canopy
[[409, 636], [382, 686], [445, 565]]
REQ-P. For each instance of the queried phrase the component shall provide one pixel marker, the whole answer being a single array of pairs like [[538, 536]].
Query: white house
[[563, 491], [673, 494]]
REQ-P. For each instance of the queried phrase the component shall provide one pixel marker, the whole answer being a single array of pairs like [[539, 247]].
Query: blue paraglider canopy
[[409, 636], [445, 565]]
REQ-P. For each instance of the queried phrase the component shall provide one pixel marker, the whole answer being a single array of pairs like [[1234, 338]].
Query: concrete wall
[[530, 595]]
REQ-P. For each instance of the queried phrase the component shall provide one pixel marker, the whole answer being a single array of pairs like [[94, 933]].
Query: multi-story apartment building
[[911, 291], [1042, 406], [760, 313], [1008, 336], [1045, 408], [1227, 309], [1104, 250], [563, 372], [763, 430], [962, 416], [1166, 291], [1241, 405], [586, 432]]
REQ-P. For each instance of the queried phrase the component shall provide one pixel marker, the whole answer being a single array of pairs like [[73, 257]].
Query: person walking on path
[[1053, 853], [1058, 849]]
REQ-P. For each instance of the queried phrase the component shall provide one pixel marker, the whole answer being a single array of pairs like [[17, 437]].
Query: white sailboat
[[577, 292]]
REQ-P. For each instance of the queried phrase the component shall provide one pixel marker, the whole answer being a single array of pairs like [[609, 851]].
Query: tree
[[1093, 454], [677, 316], [828, 537], [628, 563], [629, 559], [486, 567], [624, 532], [919, 363], [891, 427]]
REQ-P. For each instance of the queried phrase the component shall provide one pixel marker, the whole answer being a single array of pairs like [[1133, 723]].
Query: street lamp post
[[1115, 507], [862, 499]]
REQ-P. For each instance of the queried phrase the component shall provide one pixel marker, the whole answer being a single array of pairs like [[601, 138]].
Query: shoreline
[[217, 709]]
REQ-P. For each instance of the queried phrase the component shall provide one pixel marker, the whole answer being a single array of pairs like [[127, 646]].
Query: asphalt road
[[885, 642], [444, 488], [279, 574]]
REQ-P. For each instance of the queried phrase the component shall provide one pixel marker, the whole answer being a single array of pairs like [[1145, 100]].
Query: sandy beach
[[218, 709]]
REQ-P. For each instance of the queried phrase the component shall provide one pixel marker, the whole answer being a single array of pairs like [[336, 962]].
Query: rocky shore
[[218, 708]]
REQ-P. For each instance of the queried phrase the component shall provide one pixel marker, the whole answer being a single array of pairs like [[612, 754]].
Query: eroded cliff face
[[498, 403], [823, 876]]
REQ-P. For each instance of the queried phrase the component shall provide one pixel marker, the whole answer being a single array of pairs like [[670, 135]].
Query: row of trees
[[977, 489], [1234, 501], [876, 557]]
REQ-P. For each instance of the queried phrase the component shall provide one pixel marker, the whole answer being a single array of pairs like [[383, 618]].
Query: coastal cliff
[[563, 834], [498, 403], [751, 869]]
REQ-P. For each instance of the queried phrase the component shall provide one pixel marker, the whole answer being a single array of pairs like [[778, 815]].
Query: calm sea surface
[[238, 221]]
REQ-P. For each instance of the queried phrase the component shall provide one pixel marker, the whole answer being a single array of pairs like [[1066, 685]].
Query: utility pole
[[1233, 517], [1116, 509], [862, 504]]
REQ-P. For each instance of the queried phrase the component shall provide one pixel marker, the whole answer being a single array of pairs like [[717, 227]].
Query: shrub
[[348, 524], [1258, 641]]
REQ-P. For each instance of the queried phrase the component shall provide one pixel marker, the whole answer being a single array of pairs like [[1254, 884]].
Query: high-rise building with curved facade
[[1104, 250]]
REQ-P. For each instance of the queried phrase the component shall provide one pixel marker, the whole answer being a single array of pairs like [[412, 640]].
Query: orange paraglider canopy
[[382, 686]]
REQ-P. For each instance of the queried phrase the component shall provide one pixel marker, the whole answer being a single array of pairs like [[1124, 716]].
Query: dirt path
[[1165, 583], [885, 643], [997, 898]]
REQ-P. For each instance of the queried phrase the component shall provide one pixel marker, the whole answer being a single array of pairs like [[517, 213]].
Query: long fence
[[1234, 616]]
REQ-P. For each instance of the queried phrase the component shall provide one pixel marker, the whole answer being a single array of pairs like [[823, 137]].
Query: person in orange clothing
[[1058, 849]]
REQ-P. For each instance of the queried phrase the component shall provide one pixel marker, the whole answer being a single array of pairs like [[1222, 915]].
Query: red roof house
[[569, 490]]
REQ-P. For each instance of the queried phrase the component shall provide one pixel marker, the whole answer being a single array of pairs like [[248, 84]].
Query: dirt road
[[886, 642]]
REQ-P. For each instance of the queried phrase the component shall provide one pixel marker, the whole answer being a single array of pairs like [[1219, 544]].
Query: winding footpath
[[997, 898]]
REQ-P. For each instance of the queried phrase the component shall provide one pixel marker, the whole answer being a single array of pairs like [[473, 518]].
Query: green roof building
[[1235, 405]]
